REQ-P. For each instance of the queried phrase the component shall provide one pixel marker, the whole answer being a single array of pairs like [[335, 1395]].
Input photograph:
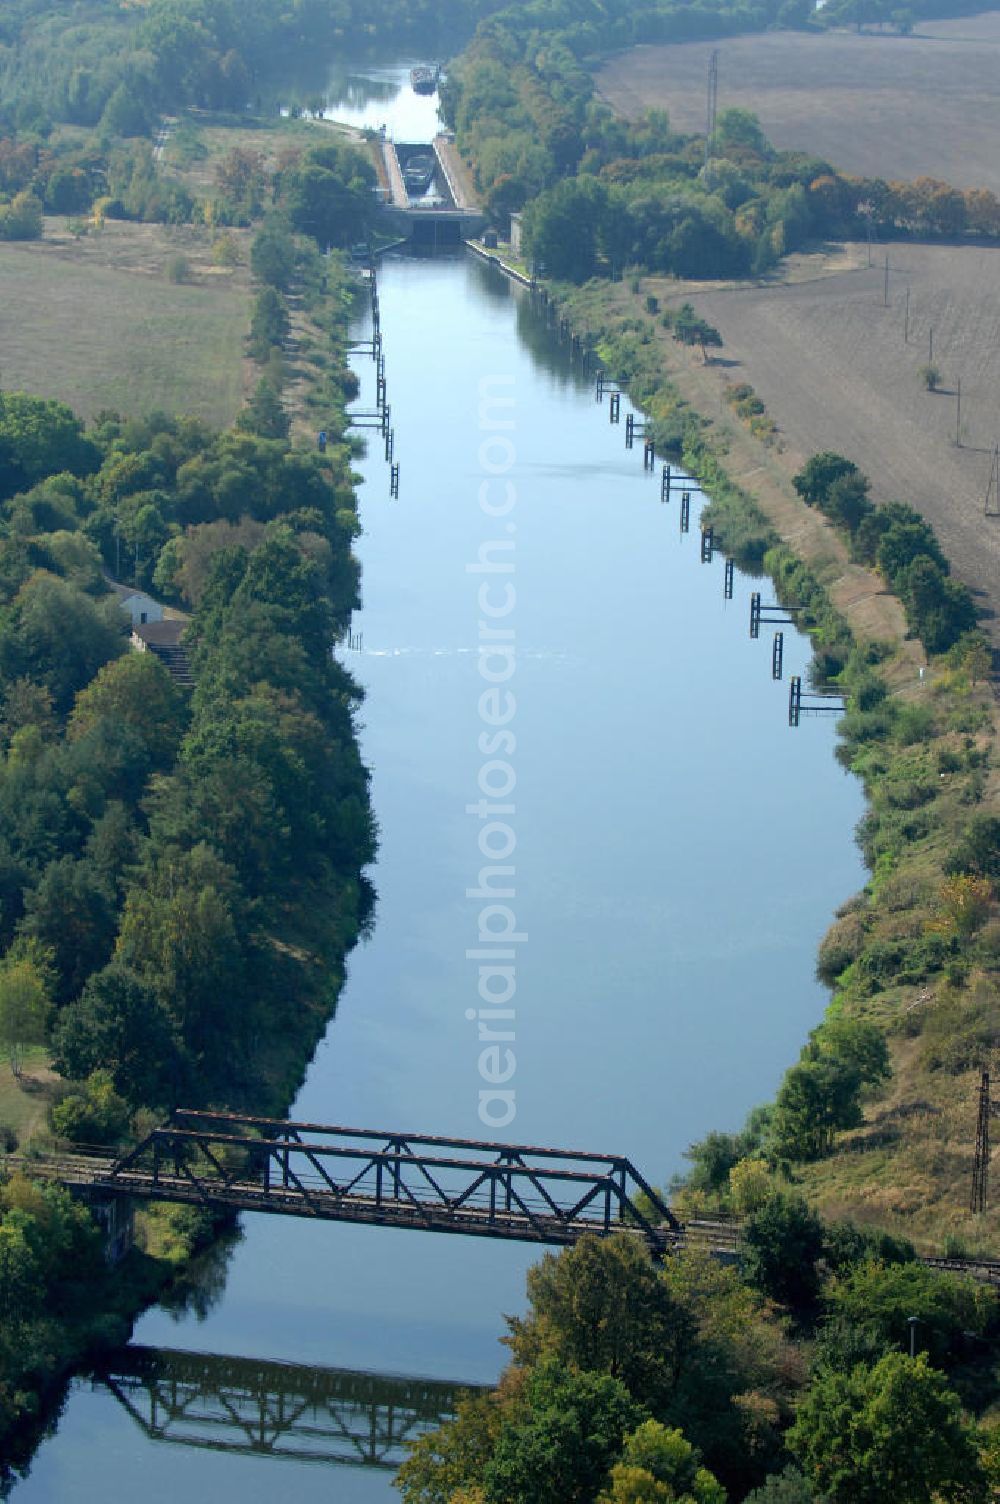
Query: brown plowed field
[[830, 362], [876, 105]]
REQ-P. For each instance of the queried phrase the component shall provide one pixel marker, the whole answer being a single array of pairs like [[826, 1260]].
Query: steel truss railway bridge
[[517, 1192], [229, 1162], [286, 1410]]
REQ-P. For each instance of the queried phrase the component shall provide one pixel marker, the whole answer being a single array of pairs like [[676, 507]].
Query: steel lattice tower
[[981, 1167]]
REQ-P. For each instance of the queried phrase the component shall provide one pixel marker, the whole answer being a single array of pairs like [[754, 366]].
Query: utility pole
[[712, 105], [991, 507], [906, 319], [930, 346], [958, 413], [913, 1322], [885, 292]]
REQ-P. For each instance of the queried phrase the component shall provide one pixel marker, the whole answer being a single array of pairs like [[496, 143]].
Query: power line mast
[[981, 1168], [712, 106], [992, 507]]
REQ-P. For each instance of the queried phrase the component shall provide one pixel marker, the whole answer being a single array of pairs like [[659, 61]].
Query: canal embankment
[[922, 734]]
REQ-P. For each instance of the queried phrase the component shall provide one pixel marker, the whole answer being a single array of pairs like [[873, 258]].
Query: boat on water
[[424, 80], [418, 172]]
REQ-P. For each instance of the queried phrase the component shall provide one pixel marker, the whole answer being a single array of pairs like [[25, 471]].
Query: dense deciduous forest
[[601, 194], [100, 63], [181, 869], [785, 1383]]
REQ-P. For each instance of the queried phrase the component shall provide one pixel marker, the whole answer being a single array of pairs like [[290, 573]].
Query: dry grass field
[[830, 362], [24, 1104], [98, 323], [871, 104], [199, 142]]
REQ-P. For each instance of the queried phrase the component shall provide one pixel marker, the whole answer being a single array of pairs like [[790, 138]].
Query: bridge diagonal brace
[[485, 1177], [599, 1189], [653, 1197], [309, 1200], [323, 1173], [366, 1169], [131, 1160], [224, 1175], [364, 1452], [406, 1192], [185, 1172], [405, 1153], [631, 1216], [538, 1185], [530, 1216]]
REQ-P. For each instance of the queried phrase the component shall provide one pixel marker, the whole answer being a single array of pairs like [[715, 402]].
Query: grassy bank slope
[[924, 739]]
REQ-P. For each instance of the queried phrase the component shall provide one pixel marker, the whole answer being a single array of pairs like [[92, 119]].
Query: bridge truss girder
[[509, 1191]]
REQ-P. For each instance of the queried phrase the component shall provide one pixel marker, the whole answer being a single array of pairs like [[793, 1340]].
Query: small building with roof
[[141, 607]]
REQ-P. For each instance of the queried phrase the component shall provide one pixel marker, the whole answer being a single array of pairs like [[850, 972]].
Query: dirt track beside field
[[830, 362]]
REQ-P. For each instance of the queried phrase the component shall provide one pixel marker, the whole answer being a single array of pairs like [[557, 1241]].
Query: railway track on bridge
[[475, 1188]]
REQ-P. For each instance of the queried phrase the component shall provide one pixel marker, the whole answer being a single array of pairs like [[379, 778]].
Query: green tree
[[789, 1487], [264, 414], [330, 196], [562, 227], [273, 255], [21, 219], [559, 1449], [118, 1024], [94, 1114], [603, 1306], [39, 438], [978, 852], [183, 934], [22, 1275], [819, 473], [821, 1095], [817, 1099], [137, 692], [59, 637], [688, 329], [125, 114], [882, 1297], [740, 128], [846, 501], [712, 1158], [659, 1466], [270, 323], [23, 1008], [892, 1434], [72, 913], [781, 1244], [443, 1461], [938, 609]]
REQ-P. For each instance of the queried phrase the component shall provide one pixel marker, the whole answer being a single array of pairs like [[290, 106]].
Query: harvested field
[[98, 322], [872, 104], [830, 362]]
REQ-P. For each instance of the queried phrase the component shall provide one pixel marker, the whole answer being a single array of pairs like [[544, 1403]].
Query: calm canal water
[[679, 853]]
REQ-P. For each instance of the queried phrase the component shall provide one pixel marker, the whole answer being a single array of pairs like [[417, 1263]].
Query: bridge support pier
[[115, 1216]]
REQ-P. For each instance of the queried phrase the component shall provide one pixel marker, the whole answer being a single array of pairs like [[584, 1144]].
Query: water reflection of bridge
[[267, 1409]]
